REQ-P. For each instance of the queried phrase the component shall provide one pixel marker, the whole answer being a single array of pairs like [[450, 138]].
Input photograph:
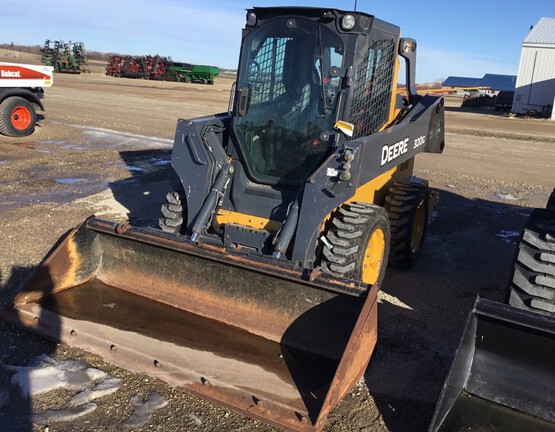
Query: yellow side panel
[[393, 112], [369, 191], [376, 189], [225, 216]]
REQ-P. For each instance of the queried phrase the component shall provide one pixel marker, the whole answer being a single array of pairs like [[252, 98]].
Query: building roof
[[456, 81], [499, 82], [543, 33], [492, 81]]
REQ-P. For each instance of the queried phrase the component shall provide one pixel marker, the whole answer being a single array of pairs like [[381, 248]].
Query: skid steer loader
[[259, 291]]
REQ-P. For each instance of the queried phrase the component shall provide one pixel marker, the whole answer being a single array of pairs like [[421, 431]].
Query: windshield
[[287, 99]]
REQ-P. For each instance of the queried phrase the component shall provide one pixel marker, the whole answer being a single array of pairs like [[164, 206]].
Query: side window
[[265, 74], [330, 56]]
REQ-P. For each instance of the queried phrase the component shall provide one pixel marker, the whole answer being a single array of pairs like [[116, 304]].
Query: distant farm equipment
[[502, 101], [64, 57], [159, 68], [476, 99]]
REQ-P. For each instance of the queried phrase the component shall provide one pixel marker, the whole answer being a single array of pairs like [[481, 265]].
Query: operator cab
[[286, 104]]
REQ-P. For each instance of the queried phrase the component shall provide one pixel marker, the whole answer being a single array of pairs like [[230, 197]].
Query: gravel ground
[[102, 147]]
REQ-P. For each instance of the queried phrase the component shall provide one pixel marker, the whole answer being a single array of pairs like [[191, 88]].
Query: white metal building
[[535, 84]]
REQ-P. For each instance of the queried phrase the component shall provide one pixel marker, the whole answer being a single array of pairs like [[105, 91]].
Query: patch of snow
[[74, 147], [131, 167], [105, 202], [508, 236], [195, 419], [144, 409], [158, 161], [46, 374], [63, 414], [104, 388], [506, 196], [69, 180], [122, 138], [52, 142]]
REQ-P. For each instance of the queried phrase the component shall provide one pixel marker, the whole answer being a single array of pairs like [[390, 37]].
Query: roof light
[[348, 22], [252, 19], [408, 46]]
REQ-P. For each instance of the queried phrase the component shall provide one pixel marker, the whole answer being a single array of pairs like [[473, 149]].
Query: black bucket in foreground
[[503, 375], [251, 333]]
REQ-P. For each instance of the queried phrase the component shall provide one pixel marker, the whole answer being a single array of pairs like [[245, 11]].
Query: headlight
[[251, 19], [348, 22], [408, 46]]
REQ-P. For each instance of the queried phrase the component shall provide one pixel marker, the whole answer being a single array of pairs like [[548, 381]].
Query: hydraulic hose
[[216, 192], [286, 234]]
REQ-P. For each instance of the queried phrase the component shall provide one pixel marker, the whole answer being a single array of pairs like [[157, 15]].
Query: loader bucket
[[251, 333], [503, 375]]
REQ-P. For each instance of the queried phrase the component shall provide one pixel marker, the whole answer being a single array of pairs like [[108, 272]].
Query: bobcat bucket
[[251, 333], [503, 376]]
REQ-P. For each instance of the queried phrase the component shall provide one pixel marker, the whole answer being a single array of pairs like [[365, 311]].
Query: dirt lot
[[103, 147]]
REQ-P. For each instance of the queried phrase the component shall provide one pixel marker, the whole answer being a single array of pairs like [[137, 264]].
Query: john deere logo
[[393, 151]]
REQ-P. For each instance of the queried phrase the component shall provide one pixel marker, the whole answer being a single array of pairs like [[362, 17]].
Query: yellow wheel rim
[[373, 257], [418, 225]]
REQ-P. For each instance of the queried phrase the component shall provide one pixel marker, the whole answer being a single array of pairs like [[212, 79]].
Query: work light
[[348, 22], [251, 19], [408, 46]]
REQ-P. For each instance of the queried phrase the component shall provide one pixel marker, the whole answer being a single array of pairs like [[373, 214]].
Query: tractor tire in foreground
[[532, 284], [407, 204], [173, 213], [357, 243], [17, 117]]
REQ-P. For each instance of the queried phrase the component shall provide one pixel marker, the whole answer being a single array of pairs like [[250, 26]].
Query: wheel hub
[[418, 227], [373, 257], [21, 118]]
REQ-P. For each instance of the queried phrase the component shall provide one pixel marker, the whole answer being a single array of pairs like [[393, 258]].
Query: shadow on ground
[[144, 192], [19, 348], [468, 252]]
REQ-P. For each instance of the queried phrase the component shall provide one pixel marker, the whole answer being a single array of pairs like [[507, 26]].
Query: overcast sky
[[465, 38]]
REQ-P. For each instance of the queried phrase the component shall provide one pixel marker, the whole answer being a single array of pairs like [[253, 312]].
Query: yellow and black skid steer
[[259, 291]]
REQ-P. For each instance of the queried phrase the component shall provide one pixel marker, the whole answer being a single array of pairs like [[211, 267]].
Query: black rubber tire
[[551, 201], [532, 282], [405, 202], [174, 212], [349, 231], [7, 109]]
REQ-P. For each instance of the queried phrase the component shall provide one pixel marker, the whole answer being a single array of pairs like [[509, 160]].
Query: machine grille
[[372, 91]]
